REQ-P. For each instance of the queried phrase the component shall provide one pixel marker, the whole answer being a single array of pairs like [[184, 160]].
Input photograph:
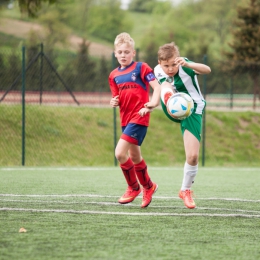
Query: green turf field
[[72, 213]]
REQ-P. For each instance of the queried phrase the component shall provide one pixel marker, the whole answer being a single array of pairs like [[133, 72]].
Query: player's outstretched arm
[[199, 68], [155, 100]]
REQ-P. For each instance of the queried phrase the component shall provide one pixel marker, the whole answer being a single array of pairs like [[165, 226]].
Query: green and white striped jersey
[[185, 80]]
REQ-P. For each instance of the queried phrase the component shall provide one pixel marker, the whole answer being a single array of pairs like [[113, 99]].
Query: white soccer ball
[[180, 106]]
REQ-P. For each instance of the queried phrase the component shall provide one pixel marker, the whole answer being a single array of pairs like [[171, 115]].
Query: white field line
[[117, 168], [125, 205], [129, 213], [109, 196]]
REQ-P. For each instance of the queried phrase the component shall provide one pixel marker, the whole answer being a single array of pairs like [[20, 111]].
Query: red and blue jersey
[[132, 86]]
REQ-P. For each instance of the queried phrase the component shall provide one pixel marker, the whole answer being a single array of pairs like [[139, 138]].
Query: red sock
[[129, 173], [142, 175]]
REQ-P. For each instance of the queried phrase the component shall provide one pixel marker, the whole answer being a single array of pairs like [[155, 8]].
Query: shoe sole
[[151, 198], [128, 201], [192, 207]]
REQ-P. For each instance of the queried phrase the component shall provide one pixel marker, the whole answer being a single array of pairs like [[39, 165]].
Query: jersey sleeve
[[187, 71], [112, 85], [160, 74], [147, 72]]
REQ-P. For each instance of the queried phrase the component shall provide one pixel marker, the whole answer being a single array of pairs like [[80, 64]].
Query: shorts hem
[[129, 139]]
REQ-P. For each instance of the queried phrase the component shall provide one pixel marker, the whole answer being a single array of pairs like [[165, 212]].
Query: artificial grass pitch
[[72, 213]]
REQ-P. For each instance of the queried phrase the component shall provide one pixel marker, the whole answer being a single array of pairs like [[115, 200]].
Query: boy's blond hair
[[167, 51], [124, 38]]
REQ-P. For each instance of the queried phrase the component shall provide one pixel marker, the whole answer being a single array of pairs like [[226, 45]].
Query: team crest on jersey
[[170, 79], [133, 77]]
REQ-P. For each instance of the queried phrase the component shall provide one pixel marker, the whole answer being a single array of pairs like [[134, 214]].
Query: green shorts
[[193, 123]]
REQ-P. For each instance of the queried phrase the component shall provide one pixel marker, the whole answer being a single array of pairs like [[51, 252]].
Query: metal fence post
[[114, 116], [41, 72], [23, 105], [204, 114]]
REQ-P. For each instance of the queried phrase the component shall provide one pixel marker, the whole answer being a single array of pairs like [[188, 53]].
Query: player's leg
[[149, 187], [140, 165], [126, 163], [127, 167], [191, 129], [166, 92], [192, 147]]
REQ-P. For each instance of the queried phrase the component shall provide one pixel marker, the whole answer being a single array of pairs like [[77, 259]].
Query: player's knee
[[192, 159], [119, 156], [166, 84], [135, 159]]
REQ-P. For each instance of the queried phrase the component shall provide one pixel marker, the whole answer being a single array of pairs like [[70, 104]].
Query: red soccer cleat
[[147, 195], [129, 195], [186, 196]]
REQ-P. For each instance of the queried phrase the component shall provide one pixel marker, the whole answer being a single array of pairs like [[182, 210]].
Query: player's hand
[[180, 61], [114, 102], [150, 105], [143, 111]]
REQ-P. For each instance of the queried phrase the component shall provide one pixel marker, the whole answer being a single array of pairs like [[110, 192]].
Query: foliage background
[[59, 135], [203, 30]]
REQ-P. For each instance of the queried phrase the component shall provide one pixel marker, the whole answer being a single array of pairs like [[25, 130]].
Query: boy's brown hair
[[167, 51]]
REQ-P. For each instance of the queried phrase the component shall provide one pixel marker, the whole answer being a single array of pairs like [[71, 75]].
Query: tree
[[245, 57], [102, 75], [56, 32], [85, 68], [106, 20], [31, 7], [4, 3], [142, 6]]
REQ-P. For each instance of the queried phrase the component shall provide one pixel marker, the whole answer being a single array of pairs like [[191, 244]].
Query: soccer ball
[[180, 106]]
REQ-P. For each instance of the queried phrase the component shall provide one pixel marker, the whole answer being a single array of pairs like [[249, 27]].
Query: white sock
[[165, 90], [188, 176]]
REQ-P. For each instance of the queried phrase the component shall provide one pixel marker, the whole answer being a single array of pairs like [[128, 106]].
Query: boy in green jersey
[[178, 74]]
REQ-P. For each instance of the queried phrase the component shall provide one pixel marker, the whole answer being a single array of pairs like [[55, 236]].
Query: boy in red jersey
[[129, 84]]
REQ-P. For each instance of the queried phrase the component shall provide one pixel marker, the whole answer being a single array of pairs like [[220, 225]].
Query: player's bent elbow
[[208, 70]]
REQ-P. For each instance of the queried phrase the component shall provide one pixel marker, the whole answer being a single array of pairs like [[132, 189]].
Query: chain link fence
[[47, 108], [48, 96]]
